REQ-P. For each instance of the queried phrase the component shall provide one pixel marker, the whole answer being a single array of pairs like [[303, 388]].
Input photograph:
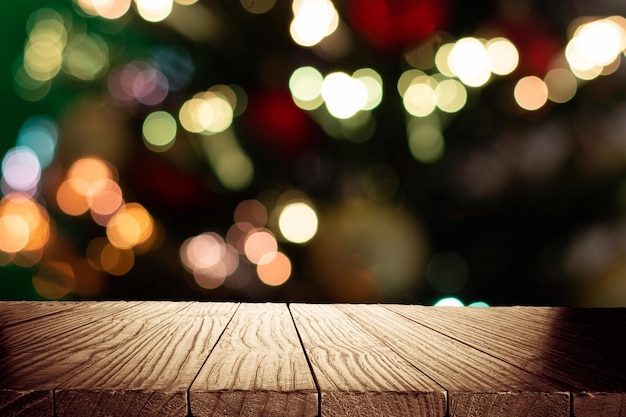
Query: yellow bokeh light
[[86, 57], [260, 246], [159, 130], [42, 60], [595, 44], [193, 115], [468, 60], [425, 142], [451, 96], [373, 83], [531, 93], [130, 226], [154, 10], [407, 78], [276, 271], [206, 112], [561, 85], [298, 222], [420, 99], [221, 115], [502, 55], [344, 96], [313, 21], [305, 85], [441, 59]]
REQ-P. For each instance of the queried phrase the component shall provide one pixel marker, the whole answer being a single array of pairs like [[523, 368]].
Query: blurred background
[[422, 151]]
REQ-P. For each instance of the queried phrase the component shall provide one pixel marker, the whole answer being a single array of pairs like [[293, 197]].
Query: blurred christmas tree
[[363, 150]]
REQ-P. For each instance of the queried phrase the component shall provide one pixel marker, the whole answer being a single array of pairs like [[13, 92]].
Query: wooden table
[[229, 359]]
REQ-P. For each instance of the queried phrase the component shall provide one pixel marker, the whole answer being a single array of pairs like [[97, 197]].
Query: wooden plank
[[257, 368], [13, 312], [31, 366], [150, 373], [581, 350], [478, 384], [357, 374]]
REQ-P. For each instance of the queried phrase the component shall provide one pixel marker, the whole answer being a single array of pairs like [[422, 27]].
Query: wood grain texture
[[149, 373], [12, 312], [579, 350], [359, 375], [39, 350], [478, 384], [258, 368], [221, 359], [27, 403]]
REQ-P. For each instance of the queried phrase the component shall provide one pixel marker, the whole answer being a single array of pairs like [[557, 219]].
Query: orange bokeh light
[[275, 272]]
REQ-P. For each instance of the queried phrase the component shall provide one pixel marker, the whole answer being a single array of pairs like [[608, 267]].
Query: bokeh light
[[298, 222], [154, 10], [305, 85], [14, 233], [531, 93], [130, 226], [40, 134], [260, 246], [561, 85], [209, 258], [502, 55], [251, 212], [276, 271], [105, 201], [442, 59], [138, 82], [313, 20], [469, 61], [344, 96], [419, 98], [116, 261], [451, 96], [449, 302], [374, 84], [111, 9], [206, 112], [86, 57], [159, 130], [595, 44], [21, 169]]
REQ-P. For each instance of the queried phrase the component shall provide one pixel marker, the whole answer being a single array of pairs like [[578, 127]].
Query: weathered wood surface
[[477, 383], [257, 368], [581, 351], [228, 359], [357, 373]]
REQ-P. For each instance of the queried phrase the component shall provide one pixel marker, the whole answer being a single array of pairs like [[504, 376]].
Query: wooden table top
[[246, 359]]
